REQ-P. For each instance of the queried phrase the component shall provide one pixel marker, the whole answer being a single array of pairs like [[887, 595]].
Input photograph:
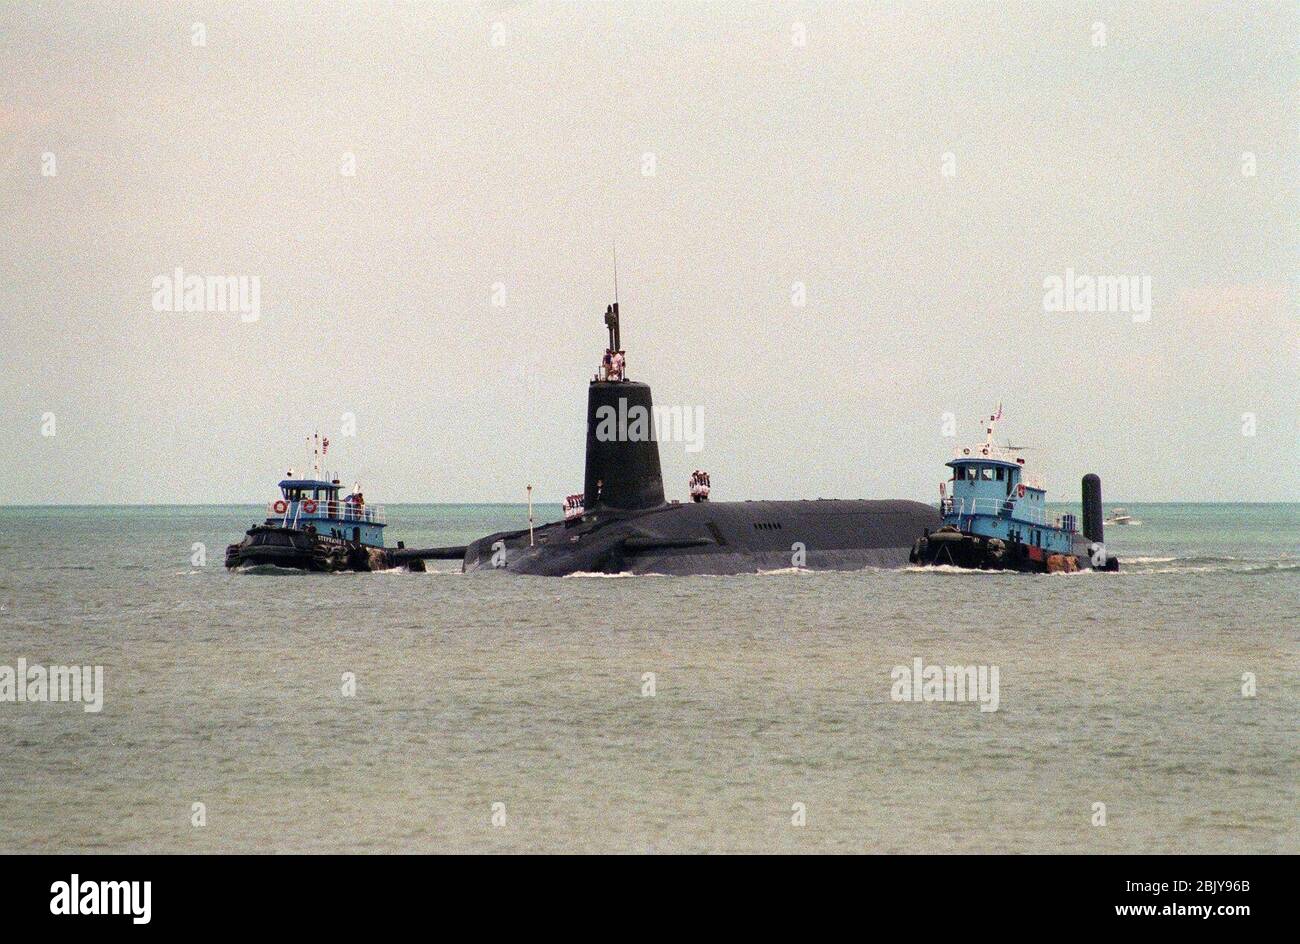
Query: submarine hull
[[714, 538]]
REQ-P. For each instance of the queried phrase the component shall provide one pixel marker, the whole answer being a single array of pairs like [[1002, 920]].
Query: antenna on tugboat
[[618, 340], [989, 427]]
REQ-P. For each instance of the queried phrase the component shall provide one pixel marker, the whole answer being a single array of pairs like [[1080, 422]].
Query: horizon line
[[524, 504]]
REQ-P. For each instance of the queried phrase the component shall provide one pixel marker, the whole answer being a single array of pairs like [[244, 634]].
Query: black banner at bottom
[[141, 894]]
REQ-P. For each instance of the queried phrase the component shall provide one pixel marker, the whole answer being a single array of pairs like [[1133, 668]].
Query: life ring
[[1020, 489], [309, 506], [280, 506]]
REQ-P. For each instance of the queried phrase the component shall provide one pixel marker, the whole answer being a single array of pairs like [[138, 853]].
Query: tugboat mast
[[988, 430]]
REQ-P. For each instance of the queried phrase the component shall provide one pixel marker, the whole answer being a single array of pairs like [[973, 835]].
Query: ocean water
[[770, 690]]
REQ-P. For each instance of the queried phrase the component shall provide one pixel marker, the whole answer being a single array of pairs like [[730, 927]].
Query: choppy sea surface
[[769, 691]]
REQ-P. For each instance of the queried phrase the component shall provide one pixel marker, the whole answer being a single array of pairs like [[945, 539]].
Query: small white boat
[[1120, 516]]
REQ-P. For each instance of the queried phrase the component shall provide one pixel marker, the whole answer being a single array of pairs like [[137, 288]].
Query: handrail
[[995, 507], [328, 510], [984, 451]]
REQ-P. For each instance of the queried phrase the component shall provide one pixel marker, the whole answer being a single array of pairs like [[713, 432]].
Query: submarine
[[622, 522]]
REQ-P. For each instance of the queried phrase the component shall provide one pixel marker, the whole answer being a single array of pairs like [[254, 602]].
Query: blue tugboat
[[995, 518], [310, 527]]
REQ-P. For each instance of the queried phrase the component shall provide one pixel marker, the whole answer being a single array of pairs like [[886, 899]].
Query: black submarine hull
[[714, 538]]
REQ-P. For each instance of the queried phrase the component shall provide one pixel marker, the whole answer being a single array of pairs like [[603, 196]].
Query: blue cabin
[[993, 496], [315, 503]]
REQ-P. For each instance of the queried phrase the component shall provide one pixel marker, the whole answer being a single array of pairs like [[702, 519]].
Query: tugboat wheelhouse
[[315, 504]]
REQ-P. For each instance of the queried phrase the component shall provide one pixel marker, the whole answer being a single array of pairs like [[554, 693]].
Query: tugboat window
[[988, 473], [1001, 473]]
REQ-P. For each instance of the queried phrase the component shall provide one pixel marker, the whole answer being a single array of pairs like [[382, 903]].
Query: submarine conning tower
[[623, 469]]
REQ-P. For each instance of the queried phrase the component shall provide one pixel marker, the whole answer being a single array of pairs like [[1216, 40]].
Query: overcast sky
[[919, 169]]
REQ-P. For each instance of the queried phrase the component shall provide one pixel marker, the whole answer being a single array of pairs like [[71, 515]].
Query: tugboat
[[996, 518], [309, 527]]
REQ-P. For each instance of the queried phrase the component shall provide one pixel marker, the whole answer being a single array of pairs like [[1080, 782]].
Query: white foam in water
[[618, 576], [951, 569]]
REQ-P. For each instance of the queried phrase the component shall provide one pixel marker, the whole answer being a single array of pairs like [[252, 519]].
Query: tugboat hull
[[950, 547], [299, 549]]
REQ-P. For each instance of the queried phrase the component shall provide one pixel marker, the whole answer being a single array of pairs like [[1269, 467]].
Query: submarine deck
[[715, 538]]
